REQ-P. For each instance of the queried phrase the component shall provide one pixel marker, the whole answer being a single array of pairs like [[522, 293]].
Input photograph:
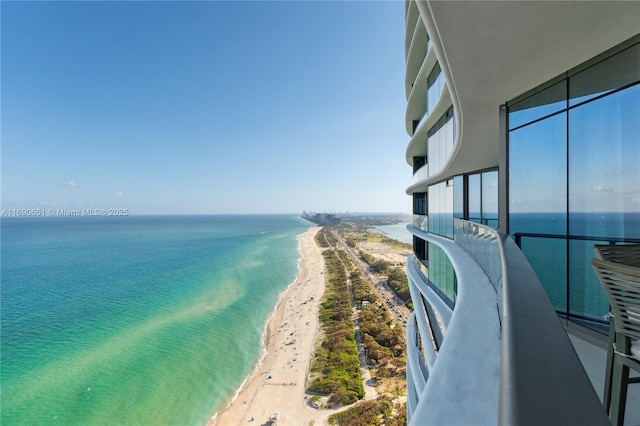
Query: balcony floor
[[592, 351]]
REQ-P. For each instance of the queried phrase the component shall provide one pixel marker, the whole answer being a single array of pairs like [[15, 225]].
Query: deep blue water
[[563, 264]]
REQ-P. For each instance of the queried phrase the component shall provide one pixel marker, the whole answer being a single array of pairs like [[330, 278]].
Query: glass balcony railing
[[527, 322], [421, 174], [421, 222], [484, 245], [567, 277], [422, 269]]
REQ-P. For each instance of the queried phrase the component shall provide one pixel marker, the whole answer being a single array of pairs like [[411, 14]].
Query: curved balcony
[[417, 93], [411, 20], [502, 342], [467, 364], [417, 145], [416, 54], [421, 222], [421, 174], [440, 144]]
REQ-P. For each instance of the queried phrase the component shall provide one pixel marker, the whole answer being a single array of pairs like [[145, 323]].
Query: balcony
[[587, 306], [421, 174], [421, 222], [503, 344], [415, 53]]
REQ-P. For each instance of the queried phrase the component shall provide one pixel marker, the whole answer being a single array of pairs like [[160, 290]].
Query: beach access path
[[279, 383]]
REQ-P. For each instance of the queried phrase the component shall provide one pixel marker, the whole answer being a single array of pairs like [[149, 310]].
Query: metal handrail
[[535, 351], [612, 240]]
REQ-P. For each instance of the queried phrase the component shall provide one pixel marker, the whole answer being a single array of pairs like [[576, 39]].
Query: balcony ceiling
[[493, 51]]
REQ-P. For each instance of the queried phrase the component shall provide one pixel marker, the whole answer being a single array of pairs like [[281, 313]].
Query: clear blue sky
[[204, 107]]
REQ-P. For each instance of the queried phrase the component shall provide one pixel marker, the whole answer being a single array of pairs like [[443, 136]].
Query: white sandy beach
[[279, 383]]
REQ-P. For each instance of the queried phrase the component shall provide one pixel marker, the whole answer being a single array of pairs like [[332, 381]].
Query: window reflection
[[420, 203], [605, 154], [474, 198], [458, 197], [561, 204], [537, 167], [604, 189], [440, 205], [441, 273], [435, 84], [490, 199], [480, 204], [419, 248], [441, 138], [541, 104], [606, 76]]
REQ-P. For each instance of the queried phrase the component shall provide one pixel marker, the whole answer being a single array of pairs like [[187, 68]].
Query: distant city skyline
[[204, 107]]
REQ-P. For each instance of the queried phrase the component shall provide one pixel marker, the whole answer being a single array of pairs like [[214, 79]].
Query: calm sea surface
[[564, 267], [397, 232], [137, 320]]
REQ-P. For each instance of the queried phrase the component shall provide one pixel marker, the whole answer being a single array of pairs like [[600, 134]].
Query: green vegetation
[[396, 278], [378, 265], [384, 343], [336, 365], [377, 412], [361, 289], [389, 242], [336, 368], [373, 219], [363, 236], [325, 239], [351, 241]]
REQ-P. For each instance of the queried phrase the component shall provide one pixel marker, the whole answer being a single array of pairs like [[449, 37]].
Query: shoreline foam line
[[271, 328], [279, 385]]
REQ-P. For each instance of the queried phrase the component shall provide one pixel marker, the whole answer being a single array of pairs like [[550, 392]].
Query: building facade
[[524, 126]]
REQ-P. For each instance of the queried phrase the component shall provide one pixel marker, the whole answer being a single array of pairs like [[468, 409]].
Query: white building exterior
[[504, 104]]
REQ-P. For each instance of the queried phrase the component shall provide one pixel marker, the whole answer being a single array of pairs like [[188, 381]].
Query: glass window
[[441, 138], [546, 102], [440, 205], [574, 179], [435, 84], [419, 248], [420, 203], [458, 197], [606, 76], [481, 198], [490, 199], [537, 200], [418, 162], [604, 188], [604, 155], [538, 168], [474, 198]]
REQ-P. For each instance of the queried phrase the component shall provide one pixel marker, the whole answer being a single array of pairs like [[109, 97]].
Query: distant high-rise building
[[524, 125], [322, 218]]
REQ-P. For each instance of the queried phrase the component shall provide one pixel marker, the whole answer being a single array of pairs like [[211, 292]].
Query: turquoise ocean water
[[136, 320]]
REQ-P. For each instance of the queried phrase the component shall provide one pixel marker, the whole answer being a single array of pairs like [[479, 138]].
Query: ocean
[[136, 320], [563, 267]]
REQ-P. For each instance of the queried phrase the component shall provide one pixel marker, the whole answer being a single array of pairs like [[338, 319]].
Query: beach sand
[[279, 383]]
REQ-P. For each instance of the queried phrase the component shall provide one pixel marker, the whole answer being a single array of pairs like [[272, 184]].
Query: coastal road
[[395, 305]]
